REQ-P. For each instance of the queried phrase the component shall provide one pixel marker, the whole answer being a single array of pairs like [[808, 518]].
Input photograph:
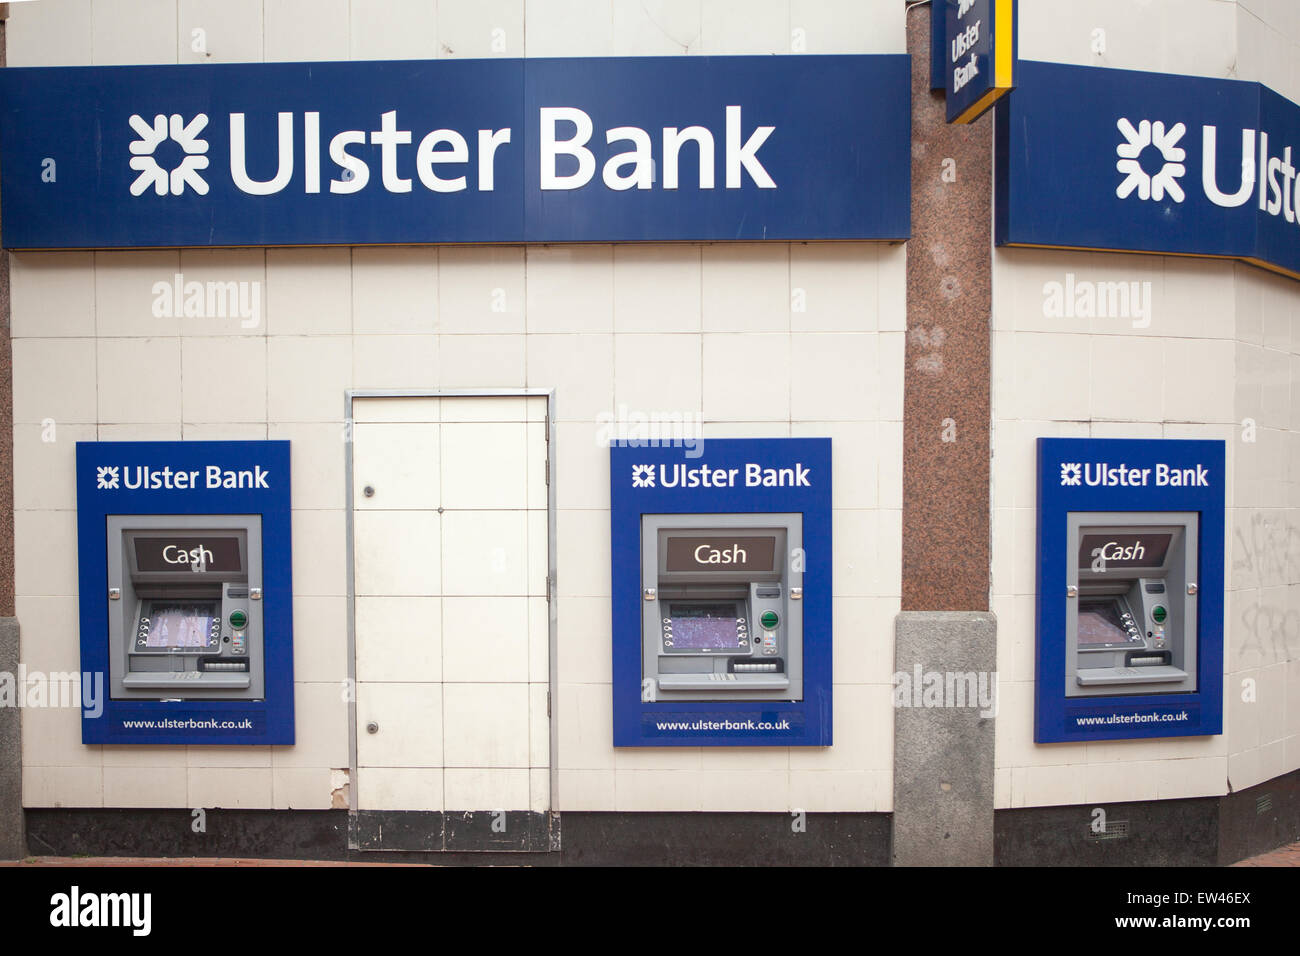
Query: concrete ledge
[[12, 839], [945, 702]]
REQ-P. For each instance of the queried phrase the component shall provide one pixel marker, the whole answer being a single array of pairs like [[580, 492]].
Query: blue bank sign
[[1115, 159], [539, 150], [977, 54]]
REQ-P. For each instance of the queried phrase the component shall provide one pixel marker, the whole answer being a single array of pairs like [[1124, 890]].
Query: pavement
[[1283, 856]]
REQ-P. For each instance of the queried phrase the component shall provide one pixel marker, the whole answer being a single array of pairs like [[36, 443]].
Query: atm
[[721, 584], [1130, 588], [722, 607], [1131, 627], [185, 597], [185, 592]]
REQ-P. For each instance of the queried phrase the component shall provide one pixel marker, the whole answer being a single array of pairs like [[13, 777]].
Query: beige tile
[[733, 392], [398, 552], [568, 28], [54, 381], [146, 787], [399, 638], [308, 291], [63, 787], [395, 289], [130, 398], [735, 27], [45, 543], [481, 290], [319, 562], [230, 295], [134, 293], [47, 34], [45, 464], [746, 287], [480, 788], [306, 30], [230, 788], [53, 293], [485, 725], [400, 788], [139, 32], [232, 31], [394, 30], [847, 26], [570, 287], [223, 379], [586, 790], [484, 552], [481, 361], [657, 288], [483, 465], [308, 788], [307, 377], [483, 29], [410, 721], [400, 463], [485, 639]]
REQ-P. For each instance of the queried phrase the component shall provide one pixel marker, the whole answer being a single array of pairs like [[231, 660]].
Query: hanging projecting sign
[[538, 150], [1093, 158], [977, 54]]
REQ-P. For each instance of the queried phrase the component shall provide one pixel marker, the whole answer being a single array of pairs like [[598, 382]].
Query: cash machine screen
[[190, 624], [705, 627], [1100, 623]]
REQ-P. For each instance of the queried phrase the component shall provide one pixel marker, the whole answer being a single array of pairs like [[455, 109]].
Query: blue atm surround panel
[[185, 592], [1130, 589], [721, 559]]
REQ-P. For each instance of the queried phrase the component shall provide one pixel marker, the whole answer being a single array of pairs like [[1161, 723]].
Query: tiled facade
[[773, 339]]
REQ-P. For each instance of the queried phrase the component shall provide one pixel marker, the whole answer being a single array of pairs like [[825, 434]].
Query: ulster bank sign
[[1114, 159], [543, 150]]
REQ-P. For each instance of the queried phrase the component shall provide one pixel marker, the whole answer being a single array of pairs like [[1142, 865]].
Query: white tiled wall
[[1219, 355], [1222, 350], [743, 334]]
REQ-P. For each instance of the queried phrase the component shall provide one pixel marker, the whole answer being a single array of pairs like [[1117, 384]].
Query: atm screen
[[704, 627], [181, 625], [1100, 623]]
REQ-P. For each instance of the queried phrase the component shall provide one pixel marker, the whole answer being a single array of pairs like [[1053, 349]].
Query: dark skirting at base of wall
[[1195, 832]]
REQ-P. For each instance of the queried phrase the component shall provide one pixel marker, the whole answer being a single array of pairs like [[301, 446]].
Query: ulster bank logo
[[106, 477], [1138, 140], [186, 137], [1071, 473], [643, 476]]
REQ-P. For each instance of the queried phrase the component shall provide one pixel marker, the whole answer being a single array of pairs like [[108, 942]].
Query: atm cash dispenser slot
[[722, 616], [185, 617], [1131, 624]]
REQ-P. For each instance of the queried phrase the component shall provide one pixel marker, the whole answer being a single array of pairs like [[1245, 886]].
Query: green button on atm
[[1158, 614], [769, 620], [238, 620]]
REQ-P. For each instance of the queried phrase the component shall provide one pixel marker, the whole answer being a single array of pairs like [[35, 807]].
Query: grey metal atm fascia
[[1178, 571], [716, 683], [124, 601]]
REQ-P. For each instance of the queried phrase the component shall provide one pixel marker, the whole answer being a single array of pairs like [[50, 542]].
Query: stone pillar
[[943, 754]]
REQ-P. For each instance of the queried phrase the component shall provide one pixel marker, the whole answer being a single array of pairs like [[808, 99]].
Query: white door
[[450, 555]]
